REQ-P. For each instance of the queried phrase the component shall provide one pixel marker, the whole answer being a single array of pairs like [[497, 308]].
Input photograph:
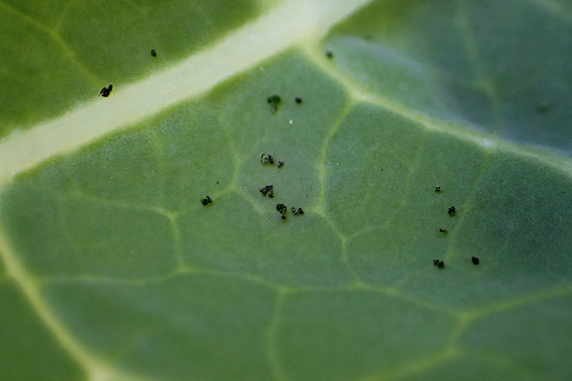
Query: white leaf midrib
[[290, 23]]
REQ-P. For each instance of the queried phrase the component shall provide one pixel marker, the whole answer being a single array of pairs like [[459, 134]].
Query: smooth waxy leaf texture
[[113, 269]]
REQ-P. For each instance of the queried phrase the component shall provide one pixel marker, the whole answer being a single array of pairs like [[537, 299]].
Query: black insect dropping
[[329, 54], [475, 260], [451, 210], [437, 188], [297, 211], [443, 230], [438, 263], [105, 91], [273, 101], [205, 201], [283, 217], [281, 208], [266, 158], [267, 190], [280, 164], [298, 100], [153, 53]]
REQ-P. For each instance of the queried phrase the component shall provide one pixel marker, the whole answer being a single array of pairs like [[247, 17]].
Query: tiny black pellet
[[298, 100], [475, 260], [266, 158], [437, 188], [443, 230], [280, 164], [281, 208], [451, 210], [267, 190], [273, 101], [438, 263], [283, 217], [153, 53], [297, 211], [105, 91], [329, 54], [205, 201]]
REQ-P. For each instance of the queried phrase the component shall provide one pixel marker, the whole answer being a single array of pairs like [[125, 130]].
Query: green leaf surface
[[111, 267]]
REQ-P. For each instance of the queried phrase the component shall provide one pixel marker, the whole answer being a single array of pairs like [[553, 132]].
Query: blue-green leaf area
[[499, 66], [153, 283]]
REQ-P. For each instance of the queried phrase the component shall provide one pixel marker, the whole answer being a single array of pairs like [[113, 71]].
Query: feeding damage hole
[[451, 210], [475, 260], [273, 101], [297, 211], [105, 91], [266, 158], [205, 201], [267, 190], [438, 263]]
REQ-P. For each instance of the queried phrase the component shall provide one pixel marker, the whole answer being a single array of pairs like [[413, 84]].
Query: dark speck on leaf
[[267, 190], [329, 54], [266, 158], [273, 101], [438, 263], [281, 208], [280, 164], [451, 210], [475, 260], [153, 53], [207, 200], [298, 100], [543, 107], [283, 217], [105, 91], [437, 188], [443, 230], [297, 211]]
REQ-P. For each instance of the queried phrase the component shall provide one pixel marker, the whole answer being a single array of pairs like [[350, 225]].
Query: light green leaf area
[[58, 54], [111, 268]]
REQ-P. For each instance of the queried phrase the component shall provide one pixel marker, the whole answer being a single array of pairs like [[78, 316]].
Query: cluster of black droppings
[[153, 53], [205, 201], [329, 54], [266, 158], [451, 210], [273, 101], [297, 211], [105, 91], [475, 260], [267, 190], [437, 189]]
